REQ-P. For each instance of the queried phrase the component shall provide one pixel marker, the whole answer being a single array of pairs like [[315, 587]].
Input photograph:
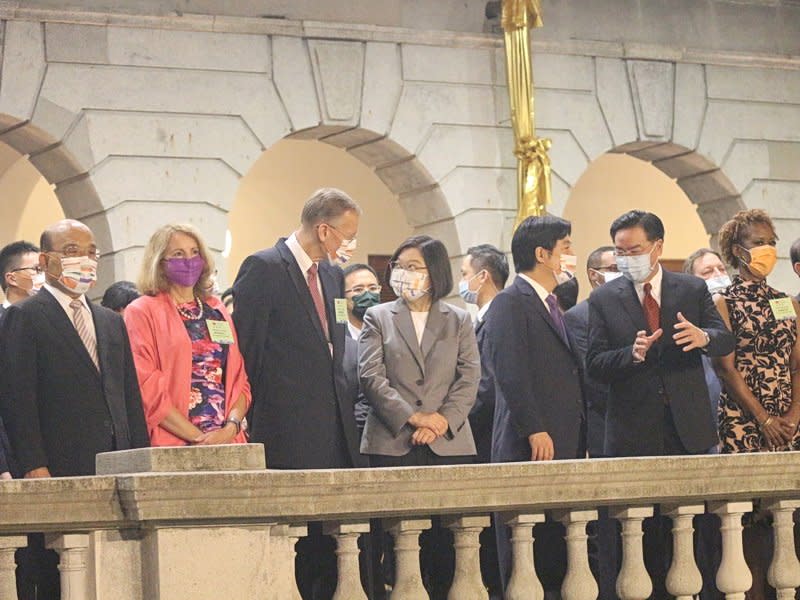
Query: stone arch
[[701, 180], [71, 182]]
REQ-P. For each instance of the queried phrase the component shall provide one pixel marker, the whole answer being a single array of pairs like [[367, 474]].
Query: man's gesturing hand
[[689, 336], [643, 342]]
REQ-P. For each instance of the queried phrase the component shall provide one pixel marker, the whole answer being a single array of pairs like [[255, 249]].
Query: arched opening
[[689, 193], [41, 182], [397, 194]]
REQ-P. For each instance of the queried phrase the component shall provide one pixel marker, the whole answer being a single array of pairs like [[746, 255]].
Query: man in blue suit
[[538, 399]]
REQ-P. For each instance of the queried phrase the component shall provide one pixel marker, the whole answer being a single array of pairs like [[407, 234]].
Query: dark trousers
[[37, 571], [437, 556]]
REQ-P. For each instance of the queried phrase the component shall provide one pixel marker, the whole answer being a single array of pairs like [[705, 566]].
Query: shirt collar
[[64, 299], [655, 282], [537, 287], [482, 311], [6, 304], [354, 331], [301, 256]]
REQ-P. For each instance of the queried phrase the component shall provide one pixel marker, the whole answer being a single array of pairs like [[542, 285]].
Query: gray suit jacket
[[400, 377]]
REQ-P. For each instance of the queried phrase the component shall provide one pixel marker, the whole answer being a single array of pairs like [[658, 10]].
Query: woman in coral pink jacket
[[191, 373]]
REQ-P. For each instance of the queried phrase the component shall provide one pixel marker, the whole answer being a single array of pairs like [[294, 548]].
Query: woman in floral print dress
[[760, 407]]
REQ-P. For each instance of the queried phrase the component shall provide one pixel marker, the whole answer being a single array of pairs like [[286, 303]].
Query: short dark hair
[[794, 251], [535, 232], [652, 225], [327, 204], [436, 260], [593, 261], [10, 257], [567, 294], [732, 232], [119, 295], [486, 256], [688, 264], [349, 269]]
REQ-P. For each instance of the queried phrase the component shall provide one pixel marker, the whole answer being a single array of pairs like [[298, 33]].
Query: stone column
[[282, 554], [734, 577], [579, 583], [523, 584], [72, 549], [684, 580], [633, 582], [348, 586], [408, 578], [8, 580], [467, 582], [784, 571]]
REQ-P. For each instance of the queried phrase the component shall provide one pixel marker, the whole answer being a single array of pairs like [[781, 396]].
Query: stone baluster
[[633, 582], [408, 578], [734, 577], [579, 583], [523, 583], [348, 586], [8, 580], [784, 570], [467, 582], [72, 549], [283, 583], [684, 580]]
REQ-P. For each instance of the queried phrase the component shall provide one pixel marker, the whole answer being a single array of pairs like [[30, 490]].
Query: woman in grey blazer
[[419, 370]]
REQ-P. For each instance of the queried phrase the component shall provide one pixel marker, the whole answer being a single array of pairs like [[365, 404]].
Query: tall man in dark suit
[[647, 333], [74, 392], [291, 318], [794, 255], [538, 398]]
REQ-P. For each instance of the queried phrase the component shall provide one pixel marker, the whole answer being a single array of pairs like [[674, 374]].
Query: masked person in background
[[74, 392], [419, 369], [194, 386]]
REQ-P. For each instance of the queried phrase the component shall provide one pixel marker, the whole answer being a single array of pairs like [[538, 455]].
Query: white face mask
[[636, 268], [410, 285], [610, 276], [38, 282], [717, 284], [78, 273]]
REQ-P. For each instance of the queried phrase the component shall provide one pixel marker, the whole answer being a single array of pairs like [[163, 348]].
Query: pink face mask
[[184, 272]]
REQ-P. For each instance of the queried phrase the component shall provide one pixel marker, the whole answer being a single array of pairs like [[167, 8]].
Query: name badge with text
[[220, 331], [782, 308], [340, 309]]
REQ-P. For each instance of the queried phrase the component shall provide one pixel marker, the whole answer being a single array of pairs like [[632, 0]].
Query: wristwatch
[[235, 421]]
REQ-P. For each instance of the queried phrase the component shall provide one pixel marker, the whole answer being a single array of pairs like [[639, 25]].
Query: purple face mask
[[184, 271]]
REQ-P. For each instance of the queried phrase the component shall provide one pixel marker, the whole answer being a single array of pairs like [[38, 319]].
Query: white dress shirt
[[303, 261], [419, 318], [482, 312], [64, 300], [354, 331], [655, 290], [538, 288]]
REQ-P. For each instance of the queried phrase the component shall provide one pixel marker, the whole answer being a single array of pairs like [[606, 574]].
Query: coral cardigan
[[162, 352]]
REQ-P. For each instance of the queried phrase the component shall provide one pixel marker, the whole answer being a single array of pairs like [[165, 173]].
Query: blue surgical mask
[[717, 284], [469, 296], [636, 268]]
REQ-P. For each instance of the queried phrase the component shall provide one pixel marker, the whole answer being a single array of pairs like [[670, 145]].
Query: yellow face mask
[[762, 260]]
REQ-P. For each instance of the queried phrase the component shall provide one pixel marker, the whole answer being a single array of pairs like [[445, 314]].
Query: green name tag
[[340, 309], [220, 331], [782, 308]]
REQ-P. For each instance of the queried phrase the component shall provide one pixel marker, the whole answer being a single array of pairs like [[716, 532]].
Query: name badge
[[340, 310], [220, 331], [782, 308]]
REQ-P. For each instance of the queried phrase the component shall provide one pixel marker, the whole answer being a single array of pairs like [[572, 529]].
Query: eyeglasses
[[339, 231], [37, 269], [412, 268], [360, 289], [75, 251], [619, 252]]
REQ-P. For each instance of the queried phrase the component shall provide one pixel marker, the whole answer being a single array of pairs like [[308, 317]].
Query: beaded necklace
[[189, 314]]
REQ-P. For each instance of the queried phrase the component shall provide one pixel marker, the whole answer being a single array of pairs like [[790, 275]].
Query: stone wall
[[140, 120]]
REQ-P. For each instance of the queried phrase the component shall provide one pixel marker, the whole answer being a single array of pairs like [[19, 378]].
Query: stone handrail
[[213, 488]]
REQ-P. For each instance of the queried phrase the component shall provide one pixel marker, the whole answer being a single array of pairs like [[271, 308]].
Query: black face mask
[[567, 294], [363, 301]]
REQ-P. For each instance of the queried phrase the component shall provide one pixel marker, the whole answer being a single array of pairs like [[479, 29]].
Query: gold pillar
[[533, 163]]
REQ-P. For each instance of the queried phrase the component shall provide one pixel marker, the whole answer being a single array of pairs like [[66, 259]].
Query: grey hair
[[325, 205]]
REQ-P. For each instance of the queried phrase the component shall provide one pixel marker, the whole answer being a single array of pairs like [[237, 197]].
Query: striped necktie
[[82, 327]]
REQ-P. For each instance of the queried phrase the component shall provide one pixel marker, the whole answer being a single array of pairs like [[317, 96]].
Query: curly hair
[[732, 232]]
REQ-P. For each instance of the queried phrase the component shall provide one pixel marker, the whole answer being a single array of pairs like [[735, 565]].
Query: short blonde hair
[[152, 279]]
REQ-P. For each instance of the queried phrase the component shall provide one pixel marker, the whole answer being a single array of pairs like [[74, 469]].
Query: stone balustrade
[[136, 530]]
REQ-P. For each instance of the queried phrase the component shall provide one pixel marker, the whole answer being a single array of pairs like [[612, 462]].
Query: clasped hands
[[428, 427], [778, 430], [688, 335]]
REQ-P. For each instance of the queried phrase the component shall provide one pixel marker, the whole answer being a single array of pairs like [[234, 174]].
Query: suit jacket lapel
[[669, 305], [433, 327], [538, 306], [402, 320], [63, 326], [330, 292], [301, 285], [630, 302], [103, 339]]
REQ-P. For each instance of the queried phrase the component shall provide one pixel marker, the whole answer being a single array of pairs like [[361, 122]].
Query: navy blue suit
[[481, 415]]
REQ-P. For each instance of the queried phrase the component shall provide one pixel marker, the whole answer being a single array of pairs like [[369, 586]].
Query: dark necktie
[[557, 317], [311, 278], [652, 312]]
